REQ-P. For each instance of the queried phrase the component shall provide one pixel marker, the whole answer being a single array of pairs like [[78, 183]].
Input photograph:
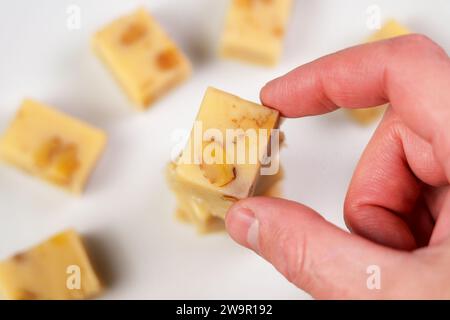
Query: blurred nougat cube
[[57, 269], [141, 56], [254, 30], [390, 29], [51, 145]]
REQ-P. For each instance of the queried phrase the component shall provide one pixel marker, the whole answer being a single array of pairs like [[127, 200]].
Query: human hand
[[398, 203]]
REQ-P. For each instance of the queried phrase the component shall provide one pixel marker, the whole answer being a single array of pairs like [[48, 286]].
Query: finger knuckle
[[292, 258]]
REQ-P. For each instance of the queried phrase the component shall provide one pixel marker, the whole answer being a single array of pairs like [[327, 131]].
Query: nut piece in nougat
[[254, 30], [222, 160], [57, 269], [144, 60], [390, 29], [51, 145]]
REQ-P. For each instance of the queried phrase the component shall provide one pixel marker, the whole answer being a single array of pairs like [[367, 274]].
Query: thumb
[[315, 255]]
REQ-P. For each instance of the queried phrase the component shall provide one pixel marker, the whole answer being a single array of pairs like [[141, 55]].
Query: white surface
[[126, 211]]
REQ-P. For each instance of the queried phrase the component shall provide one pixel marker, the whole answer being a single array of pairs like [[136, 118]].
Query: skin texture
[[397, 206]]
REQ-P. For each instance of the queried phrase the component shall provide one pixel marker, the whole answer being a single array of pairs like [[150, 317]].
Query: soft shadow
[[101, 254], [198, 37]]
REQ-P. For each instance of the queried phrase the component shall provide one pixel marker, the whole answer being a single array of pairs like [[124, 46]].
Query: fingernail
[[266, 87], [272, 82], [243, 227], [266, 92]]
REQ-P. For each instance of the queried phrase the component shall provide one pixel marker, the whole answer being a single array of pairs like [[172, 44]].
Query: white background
[[126, 212]]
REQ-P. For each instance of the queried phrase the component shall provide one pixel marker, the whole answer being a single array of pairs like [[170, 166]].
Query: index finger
[[411, 72]]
